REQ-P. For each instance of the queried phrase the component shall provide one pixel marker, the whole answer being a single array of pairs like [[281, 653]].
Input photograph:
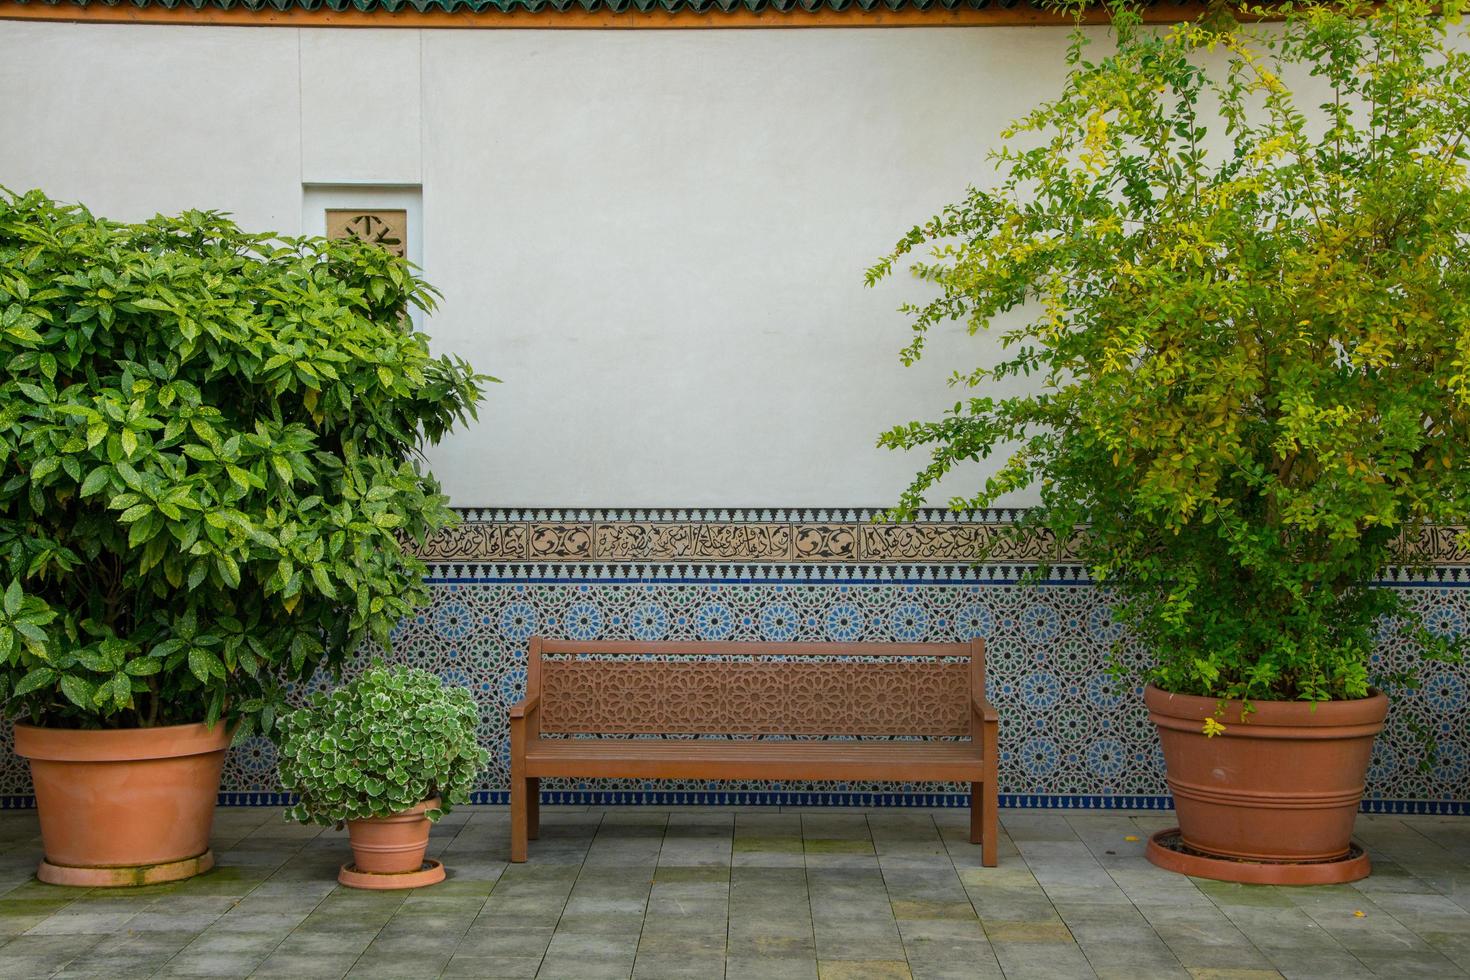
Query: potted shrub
[[387, 754], [1236, 342], [209, 443]]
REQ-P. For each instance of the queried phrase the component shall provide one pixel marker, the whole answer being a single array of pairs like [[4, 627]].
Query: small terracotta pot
[[1281, 784], [127, 806], [391, 845]]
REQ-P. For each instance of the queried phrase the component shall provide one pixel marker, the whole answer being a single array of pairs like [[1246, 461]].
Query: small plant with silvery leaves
[[380, 744]]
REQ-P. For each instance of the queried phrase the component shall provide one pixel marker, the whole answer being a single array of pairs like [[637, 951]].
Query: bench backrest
[[671, 688]]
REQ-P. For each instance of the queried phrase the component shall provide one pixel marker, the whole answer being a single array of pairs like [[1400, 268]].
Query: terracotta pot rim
[[120, 744], [414, 811], [1295, 714]]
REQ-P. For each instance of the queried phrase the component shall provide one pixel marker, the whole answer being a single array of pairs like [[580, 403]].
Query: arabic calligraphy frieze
[[712, 539]]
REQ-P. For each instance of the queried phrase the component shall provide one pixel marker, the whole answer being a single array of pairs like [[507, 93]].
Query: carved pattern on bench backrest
[[756, 697]]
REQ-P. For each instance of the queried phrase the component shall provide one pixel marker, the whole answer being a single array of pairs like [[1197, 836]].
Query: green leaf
[[135, 513], [34, 680], [78, 691], [13, 598], [323, 581], [96, 481], [203, 664]]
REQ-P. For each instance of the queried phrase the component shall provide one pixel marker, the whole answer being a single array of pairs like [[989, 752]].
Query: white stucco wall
[[655, 238]]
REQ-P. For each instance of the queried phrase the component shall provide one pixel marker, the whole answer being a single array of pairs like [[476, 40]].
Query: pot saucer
[[124, 877], [1168, 850], [430, 874]]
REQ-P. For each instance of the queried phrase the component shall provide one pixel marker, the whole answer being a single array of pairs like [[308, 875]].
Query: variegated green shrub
[[210, 462], [382, 743]]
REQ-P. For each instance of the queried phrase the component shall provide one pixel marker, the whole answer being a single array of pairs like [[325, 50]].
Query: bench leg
[[518, 822], [984, 822], [990, 824], [533, 807]]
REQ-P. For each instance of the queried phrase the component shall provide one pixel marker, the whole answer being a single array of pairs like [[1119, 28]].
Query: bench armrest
[[985, 709], [526, 705]]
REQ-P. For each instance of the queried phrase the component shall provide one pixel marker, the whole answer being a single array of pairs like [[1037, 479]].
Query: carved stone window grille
[[387, 229]]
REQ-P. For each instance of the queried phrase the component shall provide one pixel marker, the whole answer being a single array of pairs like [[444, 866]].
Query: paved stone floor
[[758, 893]]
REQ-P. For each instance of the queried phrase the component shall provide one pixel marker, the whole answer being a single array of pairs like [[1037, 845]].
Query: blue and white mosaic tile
[[1071, 733]]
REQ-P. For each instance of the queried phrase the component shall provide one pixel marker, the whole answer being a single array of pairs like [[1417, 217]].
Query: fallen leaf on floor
[[1131, 839]]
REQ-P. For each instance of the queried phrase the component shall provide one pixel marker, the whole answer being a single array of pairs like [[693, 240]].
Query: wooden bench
[[613, 688]]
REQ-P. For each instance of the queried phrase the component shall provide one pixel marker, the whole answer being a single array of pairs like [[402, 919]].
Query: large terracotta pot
[[1281, 784], [391, 845], [127, 806]]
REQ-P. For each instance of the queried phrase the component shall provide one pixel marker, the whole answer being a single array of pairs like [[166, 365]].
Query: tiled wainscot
[[1072, 734]]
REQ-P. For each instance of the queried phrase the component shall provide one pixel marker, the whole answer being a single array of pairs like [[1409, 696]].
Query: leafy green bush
[[210, 444], [1244, 313], [382, 743]]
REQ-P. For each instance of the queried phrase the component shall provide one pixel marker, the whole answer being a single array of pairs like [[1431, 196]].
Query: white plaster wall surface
[[657, 239], [134, 120], [360, 107]]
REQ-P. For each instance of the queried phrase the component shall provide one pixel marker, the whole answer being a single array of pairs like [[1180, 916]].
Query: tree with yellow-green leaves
[[1243, 308]]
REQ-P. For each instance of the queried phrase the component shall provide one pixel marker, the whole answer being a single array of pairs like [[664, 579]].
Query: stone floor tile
[[951, 959], [1037, 826], [1193, 926], [859, 939], [287, 964], [484, 940], [835, 825], [1298, 964], [743, 967], [1133, 958], [1424, 963], [215, 939], [1453, 945], [669, 966], [919, 908], [326, 943], [1046, 930], [68, 923], [863, 970], [396, 966], [696, 851], [933, 930], [151, 921], [776, 929], [574, 956], [1203, 957], [214, 963], [1374, 930], [1106, 923], [1230, 894], [470, 965], [279, 923], [1042, 961]]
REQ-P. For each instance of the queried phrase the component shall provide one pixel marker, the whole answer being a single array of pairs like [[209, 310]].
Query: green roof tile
[[587, 6]]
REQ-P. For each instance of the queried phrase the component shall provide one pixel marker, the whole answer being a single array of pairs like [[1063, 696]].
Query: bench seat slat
[[713, 759]]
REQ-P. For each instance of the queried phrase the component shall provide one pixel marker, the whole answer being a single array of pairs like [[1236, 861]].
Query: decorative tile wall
[[1070, 734]]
